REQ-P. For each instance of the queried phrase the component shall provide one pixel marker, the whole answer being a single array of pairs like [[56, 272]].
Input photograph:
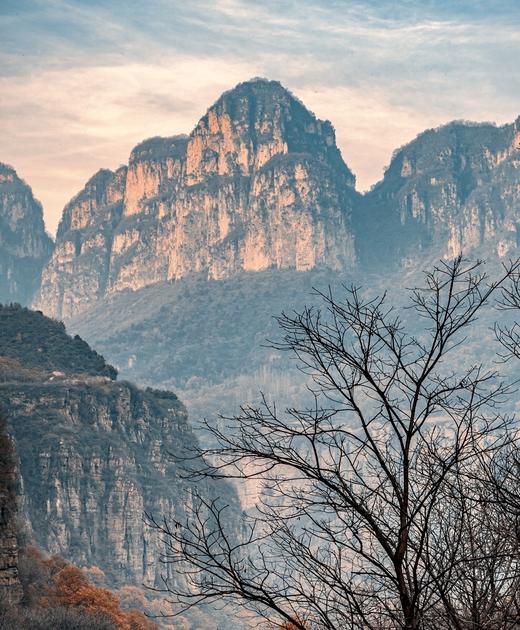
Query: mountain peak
[[258, 184], [261, 97], [24, 245], [6, 169], [95, 202], [254, 122], [259, 86], [9, 177], [263, 80], [98, 181]]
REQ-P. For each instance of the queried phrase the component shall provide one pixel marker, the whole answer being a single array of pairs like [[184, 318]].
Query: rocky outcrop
[[24, 245], [455, 189], [258, 184], [96, 455], [77, 272], [10, 586]]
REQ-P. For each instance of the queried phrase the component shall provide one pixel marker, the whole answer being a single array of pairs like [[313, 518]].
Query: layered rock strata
[[258, 184], [24, 245], [96, 455]]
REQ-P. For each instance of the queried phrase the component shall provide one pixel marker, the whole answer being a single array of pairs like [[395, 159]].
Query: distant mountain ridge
[[24, 245], [453, 189], [260, 184]]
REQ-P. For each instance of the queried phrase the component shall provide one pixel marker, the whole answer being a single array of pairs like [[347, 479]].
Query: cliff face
[[77, 272], [258, 184], [24, 245], [452, 190], [10, 586], [95, 454]]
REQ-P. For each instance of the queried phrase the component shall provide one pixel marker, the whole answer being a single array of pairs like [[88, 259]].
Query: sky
[[83, 81]]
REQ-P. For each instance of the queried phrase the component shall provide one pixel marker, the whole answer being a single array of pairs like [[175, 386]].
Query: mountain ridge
[[436, 192], [86, 440], [260, 184]]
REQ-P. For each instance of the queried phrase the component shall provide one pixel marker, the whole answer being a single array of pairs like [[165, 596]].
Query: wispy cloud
[[82, 81]]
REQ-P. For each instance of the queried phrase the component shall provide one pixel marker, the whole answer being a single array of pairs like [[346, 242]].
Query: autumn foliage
[[53, 582]]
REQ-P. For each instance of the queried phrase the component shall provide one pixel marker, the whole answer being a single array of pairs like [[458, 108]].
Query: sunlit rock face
[[258, 184], [24, 245], [452, 190], [77, 272]]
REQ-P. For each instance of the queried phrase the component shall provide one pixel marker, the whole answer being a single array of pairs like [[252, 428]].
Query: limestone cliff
[[10, 586], [453, 189], [258, 184], [77, 272], [95, 454], [24, 245]]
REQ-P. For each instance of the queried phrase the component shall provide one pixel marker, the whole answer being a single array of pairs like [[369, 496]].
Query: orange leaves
[[137, 621], [72, 588], [57, 583]]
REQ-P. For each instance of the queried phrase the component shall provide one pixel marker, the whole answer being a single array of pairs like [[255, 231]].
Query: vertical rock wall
[[452, 190], [10, 587], [24, 246], [259, 184]]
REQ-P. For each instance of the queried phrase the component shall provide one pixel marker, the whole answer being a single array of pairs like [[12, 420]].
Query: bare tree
[[509, 335], [479, 586], [484, 591], [360, 521]]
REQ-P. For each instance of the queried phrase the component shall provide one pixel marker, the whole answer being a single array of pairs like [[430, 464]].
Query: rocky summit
[[24, 245], [258, 184], [455, 189]]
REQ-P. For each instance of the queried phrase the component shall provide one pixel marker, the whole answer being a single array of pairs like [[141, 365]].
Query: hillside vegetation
[[37, 342]]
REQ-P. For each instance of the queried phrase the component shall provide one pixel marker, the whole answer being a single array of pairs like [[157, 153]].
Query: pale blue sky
[[82, 81]]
